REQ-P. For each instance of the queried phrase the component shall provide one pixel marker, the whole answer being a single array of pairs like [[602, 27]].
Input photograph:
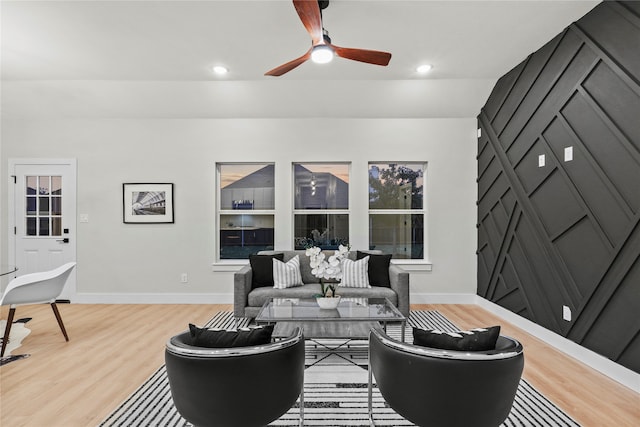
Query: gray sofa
[[247, 302]]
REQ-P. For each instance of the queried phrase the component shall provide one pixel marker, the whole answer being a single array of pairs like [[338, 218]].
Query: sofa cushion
[[287, 274], [214, 338], [479, 339], [262, 268], [378, 268]]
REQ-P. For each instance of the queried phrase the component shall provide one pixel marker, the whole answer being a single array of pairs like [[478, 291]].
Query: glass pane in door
[[44, 227], [44, 186], [56, 185], [56, 226], [43, 210], [56, 205], [44, 206], [31, 227]]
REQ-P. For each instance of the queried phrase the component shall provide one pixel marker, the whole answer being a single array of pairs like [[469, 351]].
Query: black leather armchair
[[432, 387], [241, 386]]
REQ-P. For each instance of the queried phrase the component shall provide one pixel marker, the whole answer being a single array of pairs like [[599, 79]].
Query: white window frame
[[234, 262], [423, 211], [295, 211]]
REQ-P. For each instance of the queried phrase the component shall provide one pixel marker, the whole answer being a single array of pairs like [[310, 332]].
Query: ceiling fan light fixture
[[322, 54]]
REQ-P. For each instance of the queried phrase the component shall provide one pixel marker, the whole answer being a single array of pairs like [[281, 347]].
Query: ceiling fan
[[322, 50]]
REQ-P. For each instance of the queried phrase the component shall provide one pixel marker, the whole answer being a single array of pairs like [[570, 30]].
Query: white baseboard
[[182, 298], [443, 298], [594, 360]]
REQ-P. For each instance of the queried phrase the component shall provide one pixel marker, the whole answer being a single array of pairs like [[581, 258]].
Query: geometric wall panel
[[559, 185]]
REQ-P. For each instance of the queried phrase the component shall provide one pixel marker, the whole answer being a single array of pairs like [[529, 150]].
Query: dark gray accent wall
[[567, 233]]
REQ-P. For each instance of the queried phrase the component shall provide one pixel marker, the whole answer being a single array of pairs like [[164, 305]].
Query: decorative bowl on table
[[328, 302]]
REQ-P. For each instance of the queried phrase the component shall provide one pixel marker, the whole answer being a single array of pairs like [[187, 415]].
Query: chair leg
[[59, 319], [7, 329], [301, 416], [370, 394]]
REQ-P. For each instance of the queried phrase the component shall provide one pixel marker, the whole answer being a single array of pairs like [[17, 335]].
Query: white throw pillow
[[287, 275], [355, 274]]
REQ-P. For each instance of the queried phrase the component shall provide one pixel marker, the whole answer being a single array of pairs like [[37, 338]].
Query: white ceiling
[[123, 58]]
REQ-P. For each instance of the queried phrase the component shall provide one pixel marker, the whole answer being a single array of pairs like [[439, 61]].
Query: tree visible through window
[[396, 209]]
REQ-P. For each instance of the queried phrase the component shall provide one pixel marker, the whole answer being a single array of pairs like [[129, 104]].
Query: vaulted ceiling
[[154, 58]]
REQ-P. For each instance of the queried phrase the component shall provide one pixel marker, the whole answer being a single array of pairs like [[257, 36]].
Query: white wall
[[118, 262]]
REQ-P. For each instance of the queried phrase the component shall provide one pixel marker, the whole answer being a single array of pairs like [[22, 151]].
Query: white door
[[43, 204]]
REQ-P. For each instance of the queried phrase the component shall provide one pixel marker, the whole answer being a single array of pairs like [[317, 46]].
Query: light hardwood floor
[[114, 348]]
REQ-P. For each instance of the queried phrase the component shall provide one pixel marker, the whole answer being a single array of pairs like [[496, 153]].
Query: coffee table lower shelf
[[327, 329]]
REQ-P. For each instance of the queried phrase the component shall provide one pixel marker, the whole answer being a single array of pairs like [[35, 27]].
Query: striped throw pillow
[[287, 274], [355, 274]]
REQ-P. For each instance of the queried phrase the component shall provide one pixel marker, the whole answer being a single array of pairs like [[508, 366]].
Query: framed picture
[[147, 203]]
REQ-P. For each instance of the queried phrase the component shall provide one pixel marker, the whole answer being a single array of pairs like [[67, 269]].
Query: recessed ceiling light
[[424, 68], [220, 70]]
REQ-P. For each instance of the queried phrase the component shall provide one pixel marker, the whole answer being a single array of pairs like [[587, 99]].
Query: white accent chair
[[35, 288]]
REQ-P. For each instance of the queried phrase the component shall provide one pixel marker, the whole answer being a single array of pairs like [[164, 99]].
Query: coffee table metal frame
[[352, 319]]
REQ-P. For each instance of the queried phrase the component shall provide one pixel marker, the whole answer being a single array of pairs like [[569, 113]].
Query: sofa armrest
[[241, 288], [399, 279]]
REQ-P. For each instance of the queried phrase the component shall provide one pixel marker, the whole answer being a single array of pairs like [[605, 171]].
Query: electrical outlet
[[566, 313], [184, 278]]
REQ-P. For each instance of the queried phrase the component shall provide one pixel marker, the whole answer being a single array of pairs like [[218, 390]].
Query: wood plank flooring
[[114, 348]]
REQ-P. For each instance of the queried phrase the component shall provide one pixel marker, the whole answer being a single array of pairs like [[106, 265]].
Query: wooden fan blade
[[363, 55], [285, 68], [309, 13]]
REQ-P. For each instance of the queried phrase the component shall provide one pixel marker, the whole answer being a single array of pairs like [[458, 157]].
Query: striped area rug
[[335, 389]]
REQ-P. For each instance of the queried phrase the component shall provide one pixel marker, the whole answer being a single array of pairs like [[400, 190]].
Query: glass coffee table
[[352, 319]]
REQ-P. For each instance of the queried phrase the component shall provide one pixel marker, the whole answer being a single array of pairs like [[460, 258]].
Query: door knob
[[65, 240]]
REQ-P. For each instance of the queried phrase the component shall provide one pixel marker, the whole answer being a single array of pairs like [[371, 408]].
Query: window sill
[[413, 265], [408, 265], [231, 265]]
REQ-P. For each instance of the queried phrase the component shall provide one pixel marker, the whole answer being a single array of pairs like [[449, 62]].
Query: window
[[44, 206], [397, 209], [321, 204], [246, 206]]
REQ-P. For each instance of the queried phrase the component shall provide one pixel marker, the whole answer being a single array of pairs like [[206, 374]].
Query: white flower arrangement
[[327, 269]]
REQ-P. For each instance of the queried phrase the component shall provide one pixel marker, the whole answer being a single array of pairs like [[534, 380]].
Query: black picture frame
[[147, 203]]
